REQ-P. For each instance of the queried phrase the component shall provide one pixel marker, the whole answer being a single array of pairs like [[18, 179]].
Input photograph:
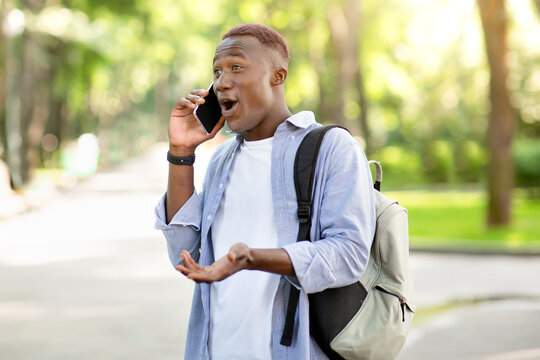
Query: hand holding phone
[[184, 130], [209, 113]]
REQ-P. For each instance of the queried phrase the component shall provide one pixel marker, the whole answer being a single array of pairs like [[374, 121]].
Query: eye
[[217, 72], [236, 67]]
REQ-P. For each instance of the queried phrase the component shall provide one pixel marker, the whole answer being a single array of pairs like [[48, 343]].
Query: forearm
[[180, 185], [339, 252], [275, 261], [185, 134]]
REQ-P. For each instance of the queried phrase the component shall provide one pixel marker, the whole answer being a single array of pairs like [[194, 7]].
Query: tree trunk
[[27, 106], [345, 30], [3, 128], [362, 102], [537, 5], [160, 102], [317, 60], [363, 109], [12, 66], [502, 119], [56, 102], [338, 38], [350, 66]]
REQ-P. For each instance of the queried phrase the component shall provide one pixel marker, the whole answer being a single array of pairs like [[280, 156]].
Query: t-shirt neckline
[[257, 143]]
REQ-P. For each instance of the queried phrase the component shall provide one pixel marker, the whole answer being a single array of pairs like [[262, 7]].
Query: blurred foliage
[[527, 160], [116, 68], [455, 220], [400, 166]]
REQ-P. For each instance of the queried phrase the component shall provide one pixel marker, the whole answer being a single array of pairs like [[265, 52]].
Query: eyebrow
[[240, 55]]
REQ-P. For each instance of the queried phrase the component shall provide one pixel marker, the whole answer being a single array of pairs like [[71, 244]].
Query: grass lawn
[[455, 219]]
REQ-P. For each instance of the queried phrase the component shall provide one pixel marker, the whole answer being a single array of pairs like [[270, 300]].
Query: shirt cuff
[[188, 215], [311, 272]]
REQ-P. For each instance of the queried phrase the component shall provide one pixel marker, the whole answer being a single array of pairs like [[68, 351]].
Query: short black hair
[[266, 35]]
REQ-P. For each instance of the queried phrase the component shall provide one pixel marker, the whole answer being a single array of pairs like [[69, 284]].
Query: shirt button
[[221, 186], [209, 217], [293, 137]]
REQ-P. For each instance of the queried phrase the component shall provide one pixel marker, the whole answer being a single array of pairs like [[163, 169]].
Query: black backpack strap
[[305, 164]]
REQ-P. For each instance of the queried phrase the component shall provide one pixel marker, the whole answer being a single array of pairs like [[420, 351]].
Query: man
[[245, 218]]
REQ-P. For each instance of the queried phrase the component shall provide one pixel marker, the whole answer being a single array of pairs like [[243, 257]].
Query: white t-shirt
[[241, 305]]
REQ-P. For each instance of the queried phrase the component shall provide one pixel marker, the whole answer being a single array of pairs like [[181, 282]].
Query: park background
[[445, 94], [88, 84]]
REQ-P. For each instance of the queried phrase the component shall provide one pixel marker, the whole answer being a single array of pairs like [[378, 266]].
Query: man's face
[[242, 82]]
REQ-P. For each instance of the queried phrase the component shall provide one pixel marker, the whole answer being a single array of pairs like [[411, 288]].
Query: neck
[[268, 127]]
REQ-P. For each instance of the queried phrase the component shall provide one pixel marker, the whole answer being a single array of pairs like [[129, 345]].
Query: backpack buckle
[[304, 212]]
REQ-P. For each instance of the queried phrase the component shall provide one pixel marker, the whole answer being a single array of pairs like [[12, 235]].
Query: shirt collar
[[303, 119]]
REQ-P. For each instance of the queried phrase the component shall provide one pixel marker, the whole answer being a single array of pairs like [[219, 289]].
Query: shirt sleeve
[[183, 232], [346, 221]]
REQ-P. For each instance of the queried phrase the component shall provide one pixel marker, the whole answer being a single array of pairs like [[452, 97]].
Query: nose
[[223, 83]]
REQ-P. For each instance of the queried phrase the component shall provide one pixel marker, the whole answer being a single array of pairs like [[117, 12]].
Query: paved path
[[86, 277], [475, 307]]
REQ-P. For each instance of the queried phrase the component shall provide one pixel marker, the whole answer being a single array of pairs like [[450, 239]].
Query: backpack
[[369, 319]]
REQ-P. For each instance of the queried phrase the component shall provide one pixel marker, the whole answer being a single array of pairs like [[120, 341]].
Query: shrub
[[470, 161], [527, 162], [400, 166], [438, 161]]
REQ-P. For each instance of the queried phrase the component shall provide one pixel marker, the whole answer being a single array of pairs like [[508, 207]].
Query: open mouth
[[228, 106]]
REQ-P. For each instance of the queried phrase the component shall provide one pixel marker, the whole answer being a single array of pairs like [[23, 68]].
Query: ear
[[280, 75]]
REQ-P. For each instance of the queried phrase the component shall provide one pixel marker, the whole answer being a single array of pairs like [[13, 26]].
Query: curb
[[476, 252]]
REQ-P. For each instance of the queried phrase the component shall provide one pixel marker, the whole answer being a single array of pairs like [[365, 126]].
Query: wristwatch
[[180, 160]]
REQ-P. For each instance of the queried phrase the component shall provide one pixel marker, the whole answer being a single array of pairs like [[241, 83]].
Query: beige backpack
[[380, 327], [370, 318]]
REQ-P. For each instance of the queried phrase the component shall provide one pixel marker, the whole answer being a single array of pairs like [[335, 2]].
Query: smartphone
[[209, 113]]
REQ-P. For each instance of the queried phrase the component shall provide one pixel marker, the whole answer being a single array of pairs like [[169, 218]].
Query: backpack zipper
[[402, 302]]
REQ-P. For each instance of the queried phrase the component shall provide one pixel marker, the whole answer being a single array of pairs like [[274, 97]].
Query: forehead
[[247, 47]]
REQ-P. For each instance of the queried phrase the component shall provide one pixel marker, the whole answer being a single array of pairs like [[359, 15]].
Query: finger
[[198, 281], [201, 277], [238, 252], [196, 99], [199, 92], [184, 256], [183, 270], [184, 103], [189, 262]]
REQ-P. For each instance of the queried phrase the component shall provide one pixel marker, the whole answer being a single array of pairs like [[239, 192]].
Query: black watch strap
[[180, 160]]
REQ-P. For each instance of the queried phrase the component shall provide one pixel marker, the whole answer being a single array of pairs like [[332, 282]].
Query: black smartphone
[[209, 113]]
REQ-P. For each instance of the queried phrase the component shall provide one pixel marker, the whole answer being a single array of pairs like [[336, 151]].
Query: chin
[[236, 125]]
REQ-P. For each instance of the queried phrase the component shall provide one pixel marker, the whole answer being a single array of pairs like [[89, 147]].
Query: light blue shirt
[[343, 226]]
